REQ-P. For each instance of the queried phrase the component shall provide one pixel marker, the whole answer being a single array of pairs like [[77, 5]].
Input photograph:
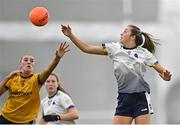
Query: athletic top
[[23, 102], [130, 66], [56, 105]]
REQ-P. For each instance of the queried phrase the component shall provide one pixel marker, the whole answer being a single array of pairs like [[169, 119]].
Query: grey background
[[89, 78]]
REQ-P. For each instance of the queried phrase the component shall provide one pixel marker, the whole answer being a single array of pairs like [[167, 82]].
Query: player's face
[[51, 84], [125, 35], [27, 64]]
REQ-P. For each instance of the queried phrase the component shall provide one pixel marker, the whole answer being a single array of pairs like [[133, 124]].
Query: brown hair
[[149, 42], [60, 84]]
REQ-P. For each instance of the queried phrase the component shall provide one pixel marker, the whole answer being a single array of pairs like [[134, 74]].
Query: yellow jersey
[[23, 102]]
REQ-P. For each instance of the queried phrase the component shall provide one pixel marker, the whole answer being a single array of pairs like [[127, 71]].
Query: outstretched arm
[[164, 73], [91, 49], [3, 87], [63, 48]]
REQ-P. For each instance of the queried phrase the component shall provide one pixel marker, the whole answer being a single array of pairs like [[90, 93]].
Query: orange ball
[[39, 16]]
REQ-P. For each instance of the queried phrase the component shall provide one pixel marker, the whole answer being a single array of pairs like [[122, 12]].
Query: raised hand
[[166, 75], [63, 48], [66, 30]]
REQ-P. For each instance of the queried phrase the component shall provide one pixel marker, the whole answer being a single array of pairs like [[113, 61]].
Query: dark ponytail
[[148, 42]]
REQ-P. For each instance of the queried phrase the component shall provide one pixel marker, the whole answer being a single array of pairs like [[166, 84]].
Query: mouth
[[50, 89], [29, 67]]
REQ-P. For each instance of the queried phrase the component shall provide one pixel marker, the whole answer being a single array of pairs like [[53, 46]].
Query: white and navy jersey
[[130, 66], [56, 105]]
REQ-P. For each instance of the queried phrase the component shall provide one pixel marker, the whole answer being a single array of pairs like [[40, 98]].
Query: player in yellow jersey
[[23, 103]]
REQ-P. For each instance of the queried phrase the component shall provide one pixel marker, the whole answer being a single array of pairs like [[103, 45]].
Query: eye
[[125, 31], [25, 60], [47, 81], [53, 81], [31, 60]]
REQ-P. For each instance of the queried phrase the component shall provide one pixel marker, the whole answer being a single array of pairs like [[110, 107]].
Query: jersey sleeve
[[8, 83], [66, 102], [42, 107], [150, 59], [111, 48]]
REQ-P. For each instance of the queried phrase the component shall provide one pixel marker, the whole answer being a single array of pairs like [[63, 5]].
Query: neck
[[130, 45], [51, 94], [26, 74]]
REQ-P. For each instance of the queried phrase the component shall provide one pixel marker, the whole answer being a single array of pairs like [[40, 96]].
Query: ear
[[133, 37], [20, 66]]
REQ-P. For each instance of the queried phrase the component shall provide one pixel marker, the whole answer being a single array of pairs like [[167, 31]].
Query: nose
[[121, 34], [50, 83], [29, 62]]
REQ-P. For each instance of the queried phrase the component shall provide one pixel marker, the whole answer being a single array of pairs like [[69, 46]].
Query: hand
[[52, 118], [166, 75], [66, 30], [63, 48]]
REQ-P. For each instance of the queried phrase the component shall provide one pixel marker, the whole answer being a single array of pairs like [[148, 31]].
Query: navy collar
[[129, 48], [52, 95], [26, 77]]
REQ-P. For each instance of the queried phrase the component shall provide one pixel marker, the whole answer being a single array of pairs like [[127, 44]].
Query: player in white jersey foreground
[[130, 58], [57, 107]]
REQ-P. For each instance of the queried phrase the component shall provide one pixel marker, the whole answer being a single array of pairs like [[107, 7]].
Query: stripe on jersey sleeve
[[155, 64]]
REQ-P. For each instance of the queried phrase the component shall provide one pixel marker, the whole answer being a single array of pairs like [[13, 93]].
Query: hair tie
[[143, 39]]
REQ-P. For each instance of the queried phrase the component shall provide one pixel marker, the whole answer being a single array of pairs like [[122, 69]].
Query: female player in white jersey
[[57, 107], [130, 57]]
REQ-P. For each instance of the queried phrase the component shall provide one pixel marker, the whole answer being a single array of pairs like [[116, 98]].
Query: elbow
[[86, 50], [76, 115]]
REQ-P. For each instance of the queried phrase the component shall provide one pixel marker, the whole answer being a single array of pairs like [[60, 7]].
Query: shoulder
[[44, 99], [141, 49], [36, 74], [64, 97], [112, 47], [62, 94]]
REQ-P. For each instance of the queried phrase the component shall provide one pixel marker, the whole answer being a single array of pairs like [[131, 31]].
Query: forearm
[[69, 116], [164, 73], [80, 44], [158, 68], [90, 49], [44, 75]]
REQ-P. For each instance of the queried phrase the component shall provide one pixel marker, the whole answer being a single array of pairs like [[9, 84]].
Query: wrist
[[70, 35], [59, 117], [57, 55]]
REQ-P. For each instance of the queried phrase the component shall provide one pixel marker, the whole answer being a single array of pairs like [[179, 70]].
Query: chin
[[28, 71]]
